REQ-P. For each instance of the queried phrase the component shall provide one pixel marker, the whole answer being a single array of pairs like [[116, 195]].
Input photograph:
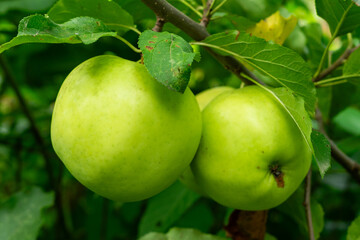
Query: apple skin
[[120, 132], [251, 156], [203, 99]]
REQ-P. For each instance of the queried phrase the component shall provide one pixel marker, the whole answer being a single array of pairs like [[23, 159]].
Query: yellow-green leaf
[[275, 28]]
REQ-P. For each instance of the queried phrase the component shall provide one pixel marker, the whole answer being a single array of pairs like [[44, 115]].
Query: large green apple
[[251, 156], [203, 99], [120, 132]]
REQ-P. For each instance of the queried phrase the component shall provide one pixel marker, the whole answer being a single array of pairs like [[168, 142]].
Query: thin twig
[[307, 205], [134, 29], [132, 47], [336, 64], [196, 31], [351, 166], [159, 24], [218, 6], [207, 13], [191, 7], [41, 143]]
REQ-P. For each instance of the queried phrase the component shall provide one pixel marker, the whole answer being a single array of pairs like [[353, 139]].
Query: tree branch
[[348, 163], [336, 64], [207, 13], [41, 144], [159, 24], [197, 32], [307, 205]]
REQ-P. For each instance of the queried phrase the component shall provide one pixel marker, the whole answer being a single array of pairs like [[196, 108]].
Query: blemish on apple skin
[[149, 48], [151, 42], [278, 175]]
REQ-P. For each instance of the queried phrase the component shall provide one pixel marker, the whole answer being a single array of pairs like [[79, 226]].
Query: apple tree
[[179, 119]]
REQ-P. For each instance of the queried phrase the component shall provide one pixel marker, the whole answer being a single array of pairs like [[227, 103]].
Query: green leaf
[[253, 9], [167, 207], [241, 23], [351, 67], [295, 107], [349, 145], [21, 217], [324, 96], [269, 237], [25, 5], [181, 234], [349, 120], [316, 48], [284, 66], [275, 28], [199, 216], [168, 58], [333, 11], [190, 234], [294, 208], [354, 230], [109, 12], [41, 29], [154, 236], [7, 26], [322, 151]]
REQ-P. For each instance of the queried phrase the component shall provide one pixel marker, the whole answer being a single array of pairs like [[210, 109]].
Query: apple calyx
[[275, 170]]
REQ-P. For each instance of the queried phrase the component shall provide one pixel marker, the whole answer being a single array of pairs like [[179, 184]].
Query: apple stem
[[247, 225]]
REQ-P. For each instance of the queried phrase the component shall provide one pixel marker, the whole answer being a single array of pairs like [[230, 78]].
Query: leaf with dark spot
[[168, 58], [322, 151]]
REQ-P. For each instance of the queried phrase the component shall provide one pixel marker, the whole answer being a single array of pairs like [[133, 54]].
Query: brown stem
[[196, 31], [207, 13], [336, 64], [247, 225], [307, 205], [41, 144], [348, 163], [159, 24]]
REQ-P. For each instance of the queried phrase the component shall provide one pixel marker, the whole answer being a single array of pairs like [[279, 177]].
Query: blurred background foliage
[[39, 70]]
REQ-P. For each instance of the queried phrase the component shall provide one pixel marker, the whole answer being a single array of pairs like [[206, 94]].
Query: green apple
[[251, 156], [203, 99], [120, 132]]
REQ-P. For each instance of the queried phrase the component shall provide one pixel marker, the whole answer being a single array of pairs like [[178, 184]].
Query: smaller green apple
[[203, 99], [252, 156]]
